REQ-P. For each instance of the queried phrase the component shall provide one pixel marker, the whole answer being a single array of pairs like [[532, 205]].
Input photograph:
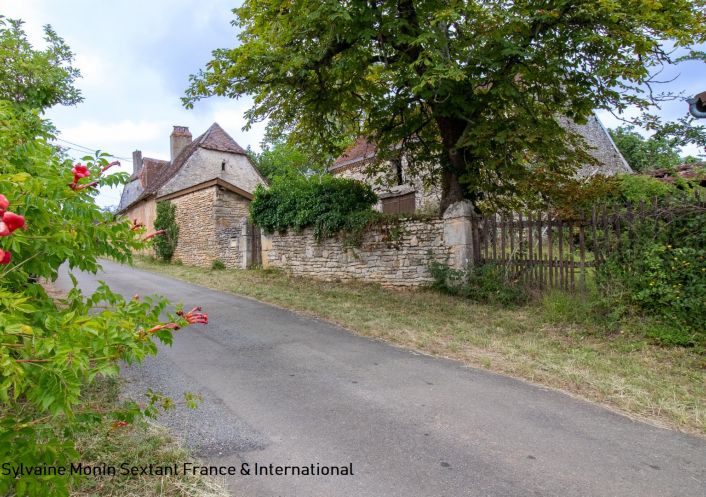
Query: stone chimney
[[136, 161], [179, 140]]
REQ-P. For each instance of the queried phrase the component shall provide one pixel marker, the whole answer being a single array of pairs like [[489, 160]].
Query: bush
[[325, 203], [488, 283], [52, 351], [661, 271], [218, 265], [165, 244]]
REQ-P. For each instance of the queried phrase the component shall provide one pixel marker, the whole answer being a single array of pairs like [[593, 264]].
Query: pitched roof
[[155, 173], [360, 151], [150, 170], [216, 139]]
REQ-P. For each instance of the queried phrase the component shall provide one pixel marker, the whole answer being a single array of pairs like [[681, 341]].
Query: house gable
[[213, 155]]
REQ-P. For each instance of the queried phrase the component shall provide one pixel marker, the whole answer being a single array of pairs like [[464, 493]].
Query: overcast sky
[[136, 57]]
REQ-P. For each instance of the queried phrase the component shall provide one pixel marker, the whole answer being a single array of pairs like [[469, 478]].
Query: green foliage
[[472, 87], [218, 265], [35, 79], [634, 188], [662, 271], [326, 203], [282, 159], [53, 347], [165, 244], [488, 283], [645, 154]]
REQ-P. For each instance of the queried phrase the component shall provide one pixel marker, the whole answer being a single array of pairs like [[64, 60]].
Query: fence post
[[245, 244], [461, 235]]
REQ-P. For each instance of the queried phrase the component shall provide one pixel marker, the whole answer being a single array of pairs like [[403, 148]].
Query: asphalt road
[[279, 388]]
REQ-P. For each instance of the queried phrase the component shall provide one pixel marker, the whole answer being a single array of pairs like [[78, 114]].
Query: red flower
[[4, 230], [4, 203], [5, 257], [80, 171], [120, 424], [195, 316], [13, 221], [168, 326]]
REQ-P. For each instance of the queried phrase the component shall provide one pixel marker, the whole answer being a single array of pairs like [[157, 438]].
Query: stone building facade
[[210, 180], [401, 192]]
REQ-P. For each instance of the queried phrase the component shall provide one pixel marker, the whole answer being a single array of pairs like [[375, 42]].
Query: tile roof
[[155, 173], [361, 150]]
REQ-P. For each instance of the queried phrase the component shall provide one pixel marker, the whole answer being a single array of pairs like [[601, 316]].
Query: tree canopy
[[476, 88], [32, 78], [281, 158], [646, 154]]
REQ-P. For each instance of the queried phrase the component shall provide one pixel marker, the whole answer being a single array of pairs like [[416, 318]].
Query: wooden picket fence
[[541, 249]]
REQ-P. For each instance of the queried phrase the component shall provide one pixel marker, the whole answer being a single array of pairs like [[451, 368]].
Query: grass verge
[[141, 443], [553, 341]]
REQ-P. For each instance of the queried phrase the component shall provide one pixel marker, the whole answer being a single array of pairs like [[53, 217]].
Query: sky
[[135, 57]]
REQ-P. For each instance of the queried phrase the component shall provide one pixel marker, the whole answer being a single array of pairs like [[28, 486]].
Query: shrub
[[53, 350], [487, 283], [661, 270], [325, 203], [634, 188], [165, 244], [218, 265]]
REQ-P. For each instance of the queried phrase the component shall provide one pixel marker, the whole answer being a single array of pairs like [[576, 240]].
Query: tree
[[478, 87], [282, 159], [165, 222], [645, 154], [36, 79]]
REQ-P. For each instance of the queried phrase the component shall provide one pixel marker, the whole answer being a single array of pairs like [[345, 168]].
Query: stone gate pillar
[[245, 242], [459, 226]]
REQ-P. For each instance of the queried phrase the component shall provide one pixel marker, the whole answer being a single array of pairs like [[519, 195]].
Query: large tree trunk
[[454, 164]]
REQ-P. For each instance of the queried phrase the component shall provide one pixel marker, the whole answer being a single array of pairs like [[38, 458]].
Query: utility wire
[[84, 149]]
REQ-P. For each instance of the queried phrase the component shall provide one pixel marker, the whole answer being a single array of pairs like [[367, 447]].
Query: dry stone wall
[[230, 209], [210, 227], [197, 244], [393, 255]]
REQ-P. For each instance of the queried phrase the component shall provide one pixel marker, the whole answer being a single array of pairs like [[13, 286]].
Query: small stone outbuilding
[[211, 182]]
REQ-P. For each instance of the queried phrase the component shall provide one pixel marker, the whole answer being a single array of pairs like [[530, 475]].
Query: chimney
[[179, 140], [136, 161]]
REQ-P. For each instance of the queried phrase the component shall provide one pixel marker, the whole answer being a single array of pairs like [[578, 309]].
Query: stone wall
[[396, 255], [205, 165], [145, 212], [229, 209], [209, 227], [197, 245]]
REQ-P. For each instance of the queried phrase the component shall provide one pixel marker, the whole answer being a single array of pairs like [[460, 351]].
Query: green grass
[[556, 340], [138, 444]]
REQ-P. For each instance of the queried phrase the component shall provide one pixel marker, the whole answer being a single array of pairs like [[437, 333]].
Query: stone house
[[400, 193], [211, 182]]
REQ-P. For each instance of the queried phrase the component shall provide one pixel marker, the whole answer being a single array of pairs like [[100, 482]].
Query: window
[[399, 204]]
